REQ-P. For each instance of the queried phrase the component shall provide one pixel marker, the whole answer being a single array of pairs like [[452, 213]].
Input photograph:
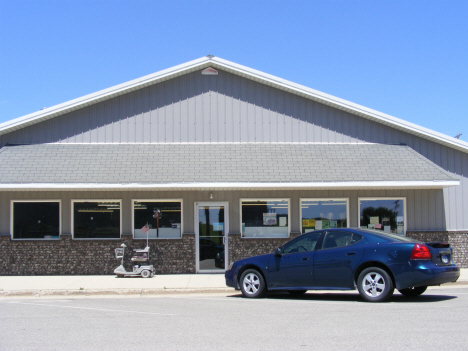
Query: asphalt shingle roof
[[213, 163]]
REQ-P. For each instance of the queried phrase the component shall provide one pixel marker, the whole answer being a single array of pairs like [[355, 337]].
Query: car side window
[[302, 244], [339, 239], [355, 239]]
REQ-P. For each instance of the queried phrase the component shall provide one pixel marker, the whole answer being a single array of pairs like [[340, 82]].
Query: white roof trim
[[243, 71], [238, 186]]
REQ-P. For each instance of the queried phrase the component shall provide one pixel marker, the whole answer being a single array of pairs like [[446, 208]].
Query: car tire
[[252, 284], [413, 292], [297, 292], [146, 273], [375, 285]]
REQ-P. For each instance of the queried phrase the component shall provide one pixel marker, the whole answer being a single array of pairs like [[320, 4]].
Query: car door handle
[[305, 258], [349, 253]]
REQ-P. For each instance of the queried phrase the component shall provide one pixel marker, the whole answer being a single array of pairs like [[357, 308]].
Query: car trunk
[[441, 253]]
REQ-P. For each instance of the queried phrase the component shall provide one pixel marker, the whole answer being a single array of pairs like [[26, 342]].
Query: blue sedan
[[373, 262]]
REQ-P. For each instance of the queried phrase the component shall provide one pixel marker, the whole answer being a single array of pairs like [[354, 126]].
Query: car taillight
[[420, 252]]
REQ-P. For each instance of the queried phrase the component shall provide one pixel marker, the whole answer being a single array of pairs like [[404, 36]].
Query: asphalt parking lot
[[226, 321]]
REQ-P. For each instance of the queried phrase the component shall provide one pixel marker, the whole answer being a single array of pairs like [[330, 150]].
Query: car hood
[[261, 260]]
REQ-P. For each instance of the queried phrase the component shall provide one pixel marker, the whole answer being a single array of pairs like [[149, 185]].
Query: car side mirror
[[279, 252]]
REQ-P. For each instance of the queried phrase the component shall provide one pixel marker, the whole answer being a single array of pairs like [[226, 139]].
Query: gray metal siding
[[228, 108], [196, 108]]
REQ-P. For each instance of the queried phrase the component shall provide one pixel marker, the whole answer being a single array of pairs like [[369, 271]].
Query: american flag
[[145, 228]]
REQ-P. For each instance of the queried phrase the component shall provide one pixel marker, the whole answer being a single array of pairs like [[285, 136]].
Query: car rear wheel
[[252, 283], [412, 292], [375, 285], [146, 273]]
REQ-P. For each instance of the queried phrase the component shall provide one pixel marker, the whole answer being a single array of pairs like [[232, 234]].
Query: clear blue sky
[[404, 58]]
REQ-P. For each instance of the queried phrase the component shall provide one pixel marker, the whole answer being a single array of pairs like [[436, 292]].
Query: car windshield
[[393, 237]]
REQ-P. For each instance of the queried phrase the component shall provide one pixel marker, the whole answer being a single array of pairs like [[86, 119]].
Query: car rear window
[[389, 236]]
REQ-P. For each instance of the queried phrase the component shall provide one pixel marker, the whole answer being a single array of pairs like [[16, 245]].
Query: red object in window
[[420, 252]]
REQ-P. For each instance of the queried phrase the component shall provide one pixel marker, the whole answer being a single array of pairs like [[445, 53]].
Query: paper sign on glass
[[269, 219], [400, 220], [318, 225], [374, 220]]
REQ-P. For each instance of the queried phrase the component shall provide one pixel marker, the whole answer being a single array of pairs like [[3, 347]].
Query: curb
[[144, 292], [112, 292]]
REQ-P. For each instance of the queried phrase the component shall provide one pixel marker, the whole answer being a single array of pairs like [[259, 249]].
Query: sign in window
[[265, 218], [323, 214]]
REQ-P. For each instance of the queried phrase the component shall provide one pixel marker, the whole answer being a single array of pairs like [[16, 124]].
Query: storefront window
[[157, 219], [96, 219], [36, 220], [323, 214], [265, 218], [383, 214]]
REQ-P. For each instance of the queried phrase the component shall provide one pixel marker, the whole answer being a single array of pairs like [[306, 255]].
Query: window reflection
[[383, 214], [265, 218], [166, 225], [324, 214]]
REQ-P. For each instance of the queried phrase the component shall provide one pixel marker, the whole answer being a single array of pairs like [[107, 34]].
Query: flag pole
[[147, 230]]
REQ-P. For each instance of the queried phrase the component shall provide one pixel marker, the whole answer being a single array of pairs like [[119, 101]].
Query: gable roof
[[248, 73], [230, 166]]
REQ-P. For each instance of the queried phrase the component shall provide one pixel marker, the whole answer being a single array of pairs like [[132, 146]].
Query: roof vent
[[209, 72]]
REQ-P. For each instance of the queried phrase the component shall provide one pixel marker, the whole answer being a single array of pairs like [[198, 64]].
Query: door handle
[[349, 253], [305, 258]]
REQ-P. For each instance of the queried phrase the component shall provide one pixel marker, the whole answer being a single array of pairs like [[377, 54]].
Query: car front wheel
[[252, 283], [375, 285], [413, 292]]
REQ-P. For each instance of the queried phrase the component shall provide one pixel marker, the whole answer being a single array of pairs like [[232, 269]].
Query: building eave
[[232, 186]]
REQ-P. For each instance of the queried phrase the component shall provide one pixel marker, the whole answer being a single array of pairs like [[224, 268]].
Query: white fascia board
[[101, 95], [342, 104], [238, 186]]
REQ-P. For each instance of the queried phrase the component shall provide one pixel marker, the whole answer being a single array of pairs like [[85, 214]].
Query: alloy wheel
[[251, 283], [373, 284]]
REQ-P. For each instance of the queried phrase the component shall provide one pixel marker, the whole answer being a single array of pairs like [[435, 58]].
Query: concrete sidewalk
[[111, 285]]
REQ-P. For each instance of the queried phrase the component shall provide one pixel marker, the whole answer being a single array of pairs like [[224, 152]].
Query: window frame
[[385, 198], [324, 199], [12, 218], [72, 224], [288, 200], [159, 200]]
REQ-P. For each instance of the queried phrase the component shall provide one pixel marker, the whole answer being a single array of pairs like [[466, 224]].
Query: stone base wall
[[92, 257], [458, 241], [169, 256], [246, 247]]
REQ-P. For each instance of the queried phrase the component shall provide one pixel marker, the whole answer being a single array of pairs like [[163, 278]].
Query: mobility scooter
[[140, 261]]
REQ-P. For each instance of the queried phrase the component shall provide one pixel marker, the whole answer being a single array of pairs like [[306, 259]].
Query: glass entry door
[[211, 228]]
